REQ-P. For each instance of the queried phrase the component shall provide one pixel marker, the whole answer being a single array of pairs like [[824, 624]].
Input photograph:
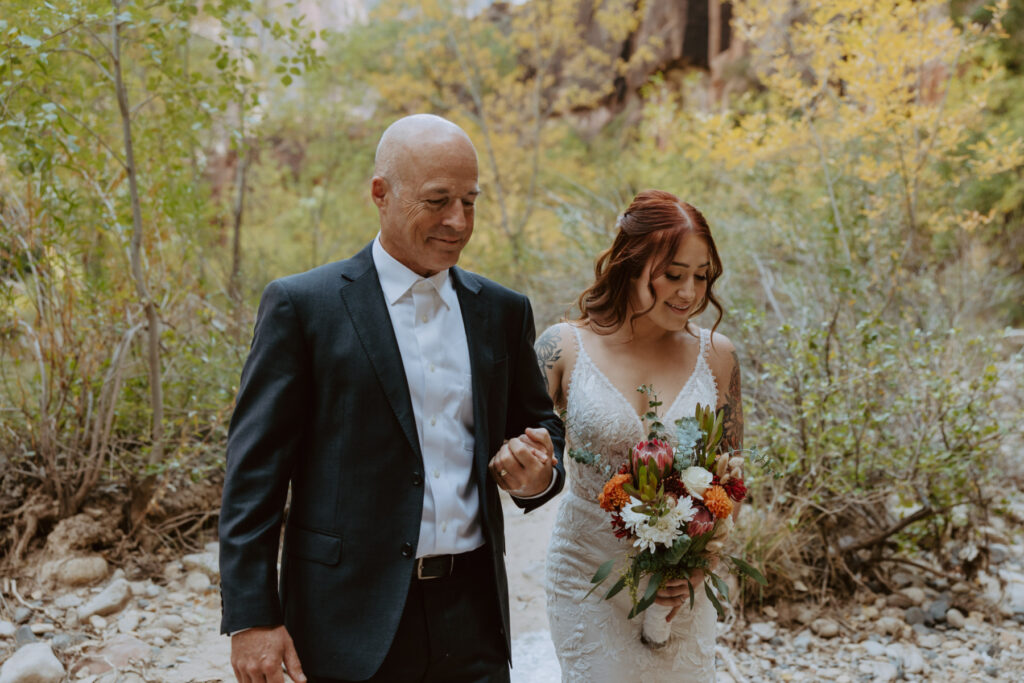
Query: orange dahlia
[[614, 496], [717, 501]]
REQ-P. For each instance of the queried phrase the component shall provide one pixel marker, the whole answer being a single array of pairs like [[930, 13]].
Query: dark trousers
[[451, 630]]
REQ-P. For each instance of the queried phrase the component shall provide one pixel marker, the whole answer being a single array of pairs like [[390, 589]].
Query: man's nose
[[455, 216]]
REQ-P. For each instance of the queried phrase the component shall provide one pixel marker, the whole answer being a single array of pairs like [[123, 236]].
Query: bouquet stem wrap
[[656, 631]]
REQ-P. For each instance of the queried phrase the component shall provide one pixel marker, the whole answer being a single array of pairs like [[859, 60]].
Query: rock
[[41, 628], [22, 614], [153, 633], [112, 599], [937, 608], [804, 614], [998, 553], [963, 662], [208, 564], [97, 622], [24, 636], [889, 625], [883, 671], [825, 628], [197, 582], [173, 623], [71, 619], [913, 660], [129, 621], [118, 652], [7, 629], [81, 531], [914, 594], [902, 579], [81, 571], [174, 571], [873, 648], [930, 641], [870, 612], [765, 630], [68, 600], [915, 615], [955, 618], [961, 587], [32, 663], [803, 641]]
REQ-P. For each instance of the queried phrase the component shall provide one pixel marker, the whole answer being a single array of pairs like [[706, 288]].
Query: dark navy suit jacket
[[324, 406]]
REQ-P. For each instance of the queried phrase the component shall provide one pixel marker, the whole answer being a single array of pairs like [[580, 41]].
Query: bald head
[[406, 140], [425, 188]]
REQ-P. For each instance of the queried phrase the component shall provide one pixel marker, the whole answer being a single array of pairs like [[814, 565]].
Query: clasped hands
[[523, 465]]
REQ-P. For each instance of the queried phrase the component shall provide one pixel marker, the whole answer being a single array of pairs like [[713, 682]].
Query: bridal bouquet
[[673, 498]]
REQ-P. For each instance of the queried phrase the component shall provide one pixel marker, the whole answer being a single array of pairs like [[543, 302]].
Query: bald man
[[394, 393]]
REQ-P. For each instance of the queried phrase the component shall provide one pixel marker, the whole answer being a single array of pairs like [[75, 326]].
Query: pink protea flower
[[703, 521], [655, 454]]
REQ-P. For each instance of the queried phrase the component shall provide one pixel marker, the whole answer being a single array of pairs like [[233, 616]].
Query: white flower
[[696, 480], [652, 531]]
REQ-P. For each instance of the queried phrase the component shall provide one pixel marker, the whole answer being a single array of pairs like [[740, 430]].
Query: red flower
[[655, 454], [619, 526], [702, 522], [736, 489]]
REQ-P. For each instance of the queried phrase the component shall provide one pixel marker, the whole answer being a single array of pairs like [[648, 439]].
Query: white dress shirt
[[427, 320]]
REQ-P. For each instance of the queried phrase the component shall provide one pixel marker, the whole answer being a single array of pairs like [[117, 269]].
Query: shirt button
[[423, 318], [444, 526], [437, 474], [431, 367], [417, 478], [433, 421], [407, 550]]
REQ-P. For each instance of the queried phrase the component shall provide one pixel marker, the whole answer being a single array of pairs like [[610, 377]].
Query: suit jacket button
[[407, 550], [417, 478]]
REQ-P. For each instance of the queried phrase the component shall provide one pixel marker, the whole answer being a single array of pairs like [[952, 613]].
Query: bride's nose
[[685, 288]]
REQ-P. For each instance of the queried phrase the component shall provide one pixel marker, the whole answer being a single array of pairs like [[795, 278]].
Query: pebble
[[7, 629], [197, 582], [97, 622], [40, 629], [24, 635], [889, 625], [32, 663], [826, 628], [765, 630], [111, 599], [22, 614], [956, 618]]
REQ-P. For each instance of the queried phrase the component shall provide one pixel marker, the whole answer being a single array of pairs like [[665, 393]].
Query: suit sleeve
[[530, 406], [263, 439]]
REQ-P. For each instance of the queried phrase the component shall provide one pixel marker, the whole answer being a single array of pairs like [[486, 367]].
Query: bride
[[634, 329]]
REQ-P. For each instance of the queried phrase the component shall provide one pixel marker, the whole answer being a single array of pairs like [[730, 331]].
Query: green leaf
[[714, 601], [619, 585], [603, 571], [286, 80], [749, 570], [720, 585]]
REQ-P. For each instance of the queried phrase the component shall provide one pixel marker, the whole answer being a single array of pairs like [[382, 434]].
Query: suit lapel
[[476, 319], [368, 312]]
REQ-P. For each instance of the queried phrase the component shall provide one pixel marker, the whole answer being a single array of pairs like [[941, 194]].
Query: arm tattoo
[[548, 352], [732, 433]]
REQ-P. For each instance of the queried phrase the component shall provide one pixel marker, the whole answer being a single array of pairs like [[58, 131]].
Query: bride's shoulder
[[557, 342], [721, 354]]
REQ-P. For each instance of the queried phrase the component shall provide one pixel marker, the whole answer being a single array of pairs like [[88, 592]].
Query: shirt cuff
[[542, 493]]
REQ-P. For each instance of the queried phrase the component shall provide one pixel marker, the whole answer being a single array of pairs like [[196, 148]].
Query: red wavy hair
[[650, 231]]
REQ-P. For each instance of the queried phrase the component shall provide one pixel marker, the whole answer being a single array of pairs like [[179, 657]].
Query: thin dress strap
[[705, 345]]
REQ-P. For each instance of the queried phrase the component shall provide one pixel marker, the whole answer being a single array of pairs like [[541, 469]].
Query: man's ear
[[379, 190]]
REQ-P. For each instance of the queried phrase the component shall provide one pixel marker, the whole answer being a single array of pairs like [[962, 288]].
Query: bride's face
[[680, 289]]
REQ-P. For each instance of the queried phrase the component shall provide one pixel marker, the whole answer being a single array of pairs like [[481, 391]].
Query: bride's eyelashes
[[676, 278]]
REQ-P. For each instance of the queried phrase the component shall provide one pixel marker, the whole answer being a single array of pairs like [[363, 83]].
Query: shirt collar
[[396, 279]]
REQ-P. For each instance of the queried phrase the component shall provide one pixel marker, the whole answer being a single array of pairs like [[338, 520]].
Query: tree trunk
[[152, 319]]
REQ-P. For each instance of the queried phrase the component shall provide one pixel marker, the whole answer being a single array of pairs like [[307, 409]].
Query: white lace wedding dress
[[593, 639]]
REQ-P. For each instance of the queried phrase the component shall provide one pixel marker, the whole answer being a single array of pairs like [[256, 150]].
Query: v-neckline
[[622, 397]]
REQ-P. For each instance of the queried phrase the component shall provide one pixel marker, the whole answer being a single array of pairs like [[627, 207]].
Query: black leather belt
[[443, 566], [435, 566]]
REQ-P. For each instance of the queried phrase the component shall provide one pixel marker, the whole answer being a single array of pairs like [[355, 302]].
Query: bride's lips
[[676, 308]]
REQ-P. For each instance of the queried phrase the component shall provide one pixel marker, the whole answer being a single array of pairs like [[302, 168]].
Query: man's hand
[[523, 465], [257, 656]]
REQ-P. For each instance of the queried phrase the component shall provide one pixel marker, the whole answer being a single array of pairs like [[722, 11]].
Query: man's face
[[426, 218]]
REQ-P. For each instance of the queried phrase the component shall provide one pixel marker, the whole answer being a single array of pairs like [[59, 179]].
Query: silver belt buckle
[[419, 568]]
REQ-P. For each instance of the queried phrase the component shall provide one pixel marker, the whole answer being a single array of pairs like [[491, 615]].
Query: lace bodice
[[594, 640], [602, 420]]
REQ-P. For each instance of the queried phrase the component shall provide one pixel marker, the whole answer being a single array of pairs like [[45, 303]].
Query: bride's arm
[[551, 353], [725, 365]]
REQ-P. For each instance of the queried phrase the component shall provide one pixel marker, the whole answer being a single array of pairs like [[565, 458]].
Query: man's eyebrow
[[687, 265]]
